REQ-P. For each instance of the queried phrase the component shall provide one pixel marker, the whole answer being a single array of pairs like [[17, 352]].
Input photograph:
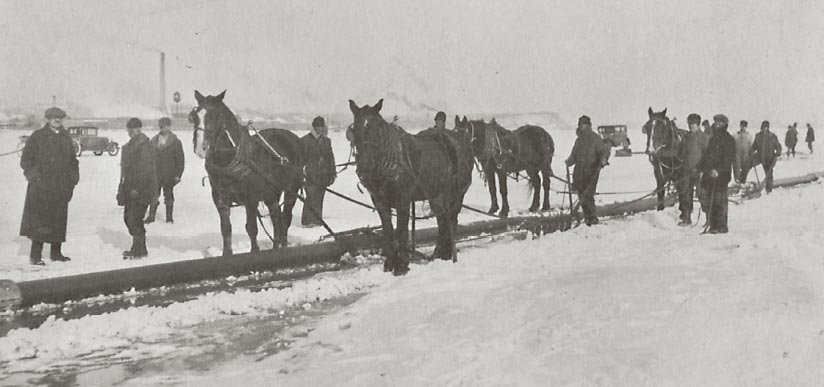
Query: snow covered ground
[[637, 301]]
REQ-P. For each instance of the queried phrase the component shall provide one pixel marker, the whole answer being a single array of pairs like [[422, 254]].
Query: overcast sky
[[609, 59]]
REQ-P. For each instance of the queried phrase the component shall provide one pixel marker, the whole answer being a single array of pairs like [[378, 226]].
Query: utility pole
[[163, 82]]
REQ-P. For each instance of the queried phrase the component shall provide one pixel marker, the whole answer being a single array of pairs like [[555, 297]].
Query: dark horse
[[398, 168], [663, 149], [499, 152], [245, 169]]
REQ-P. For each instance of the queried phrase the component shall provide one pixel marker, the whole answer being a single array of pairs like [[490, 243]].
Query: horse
[[398, 168], [664, 141], [246, 169], [500, 152]]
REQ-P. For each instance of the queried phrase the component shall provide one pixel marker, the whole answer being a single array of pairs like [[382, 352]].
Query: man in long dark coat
[[791, 139], [716, 166], [50, 165], [765, 151], [320, 171], [138, 186], [589, 155], [810, 138], [170, 164]]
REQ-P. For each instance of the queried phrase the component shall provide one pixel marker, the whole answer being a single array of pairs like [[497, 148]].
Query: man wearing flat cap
[[138, 185], [170, 164], [765, 150], [743, 140], [589, 155], [693, 147], [716, 166], [319, 171], [50, 165]]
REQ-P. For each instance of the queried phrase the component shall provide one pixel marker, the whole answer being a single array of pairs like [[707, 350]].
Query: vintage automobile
[[85, 138], [614, 136]]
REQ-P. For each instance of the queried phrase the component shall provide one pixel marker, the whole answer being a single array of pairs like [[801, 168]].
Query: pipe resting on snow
[[76, 287]]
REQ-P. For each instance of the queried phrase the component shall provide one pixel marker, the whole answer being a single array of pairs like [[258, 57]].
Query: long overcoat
[[170, 159], [51, 167]]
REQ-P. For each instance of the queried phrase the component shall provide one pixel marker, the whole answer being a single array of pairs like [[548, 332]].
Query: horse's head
[[367, 120], [211, 119], [660, 132], [475, 131]]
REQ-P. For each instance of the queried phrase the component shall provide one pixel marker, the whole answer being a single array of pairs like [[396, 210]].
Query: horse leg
[[251, 225], [489, 175], [504, 198], [223, 210], [289, 199], [389, 250], [535, 184], [659, 179], [452, 229], [545, 185], [402, 235]]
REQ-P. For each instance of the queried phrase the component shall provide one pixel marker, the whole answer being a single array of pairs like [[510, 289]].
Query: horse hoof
[[387, 267], [504, 214], [493, 209], [533, 209], [399, 271], [545, 208]]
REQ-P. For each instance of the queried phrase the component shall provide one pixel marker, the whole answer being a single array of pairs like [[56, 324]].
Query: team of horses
[[396, 168]]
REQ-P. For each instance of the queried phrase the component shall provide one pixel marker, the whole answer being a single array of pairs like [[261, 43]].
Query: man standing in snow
[[170, 164], [810, 137], [50, 165], [707, 128], [791, 139], [693, 147], [765, 151], [716, 166], [319, 173], [742, 153], [589, 155], [138, 185]]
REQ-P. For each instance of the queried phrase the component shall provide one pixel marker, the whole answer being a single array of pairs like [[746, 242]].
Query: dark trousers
[[686, 193], [586, 195], [36, 252], [717, 214], [791, 149], [133, 217], [314, 201], [168, 193], [768, 178], [810, 145]]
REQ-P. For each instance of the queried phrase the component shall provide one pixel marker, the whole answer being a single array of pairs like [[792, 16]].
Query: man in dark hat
[[319, 171], [692, 149], [743, 140], [810, 138], [791, 139], [589, 155], [440, 120], [50, 165], [170, 164], [138, 185], [716, 166], [765, 151], [707, 128]]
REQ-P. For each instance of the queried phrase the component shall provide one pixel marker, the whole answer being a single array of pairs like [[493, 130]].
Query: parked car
[[615, 136], [85, 138]]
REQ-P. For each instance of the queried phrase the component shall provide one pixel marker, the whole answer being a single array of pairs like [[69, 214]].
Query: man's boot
[[36, 254], [152, 212], [170, 206], [57, 254], [138, 249]]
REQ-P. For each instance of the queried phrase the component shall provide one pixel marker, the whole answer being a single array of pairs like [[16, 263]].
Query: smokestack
[[163, 82]]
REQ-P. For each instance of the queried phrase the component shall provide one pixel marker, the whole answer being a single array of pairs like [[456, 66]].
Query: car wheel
[[113, 149], [77, 148]]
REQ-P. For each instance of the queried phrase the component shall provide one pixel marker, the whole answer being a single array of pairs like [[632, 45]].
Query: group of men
[[712, 158], [50, 165], [791, 138], [148, 167]]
